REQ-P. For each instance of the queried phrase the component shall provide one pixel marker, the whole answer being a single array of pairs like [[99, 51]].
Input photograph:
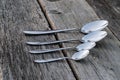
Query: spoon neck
[[65, 58]]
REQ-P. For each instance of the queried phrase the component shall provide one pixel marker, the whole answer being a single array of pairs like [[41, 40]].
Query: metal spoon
[[83, 46], [89, 27], [77, 56], [91, 37]]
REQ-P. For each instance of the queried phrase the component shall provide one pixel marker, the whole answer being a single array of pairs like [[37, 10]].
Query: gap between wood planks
[[52, 27]]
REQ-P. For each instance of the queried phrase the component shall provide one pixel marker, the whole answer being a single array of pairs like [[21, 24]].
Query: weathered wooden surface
[[110, 10], [103, 61], [1, 76], [17, 63]]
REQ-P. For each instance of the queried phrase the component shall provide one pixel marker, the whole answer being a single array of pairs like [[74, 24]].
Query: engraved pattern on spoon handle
[[51, 60]]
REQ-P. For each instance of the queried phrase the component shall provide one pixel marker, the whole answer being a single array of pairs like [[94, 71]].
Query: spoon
[[89, 27], [91, 37], [83, 46], [76, 56]]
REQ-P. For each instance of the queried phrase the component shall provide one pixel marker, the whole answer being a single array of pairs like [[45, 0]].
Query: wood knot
[[55, 12], [53, 0]]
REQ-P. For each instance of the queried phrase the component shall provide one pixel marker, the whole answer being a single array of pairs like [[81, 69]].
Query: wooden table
[[16, 63]]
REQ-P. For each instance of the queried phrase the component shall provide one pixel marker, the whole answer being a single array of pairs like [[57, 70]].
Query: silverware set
[[93, 31]]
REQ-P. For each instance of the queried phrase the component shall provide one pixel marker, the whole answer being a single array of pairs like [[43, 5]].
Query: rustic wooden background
[[16, 63]]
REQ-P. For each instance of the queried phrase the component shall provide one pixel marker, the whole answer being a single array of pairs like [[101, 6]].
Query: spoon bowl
[[94, 26], [86, 46], [94, 36], [80, 55]]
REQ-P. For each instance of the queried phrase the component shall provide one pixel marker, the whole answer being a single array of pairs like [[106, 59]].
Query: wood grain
[[110, 10], [1, 76], [16, 62], [103, 62]]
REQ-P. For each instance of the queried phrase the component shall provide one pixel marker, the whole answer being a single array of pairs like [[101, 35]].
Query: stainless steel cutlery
[[94, 34]]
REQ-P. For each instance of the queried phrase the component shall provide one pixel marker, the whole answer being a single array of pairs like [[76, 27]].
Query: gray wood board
[[104, 60], [1, 76], [110, 10], [17, 63]]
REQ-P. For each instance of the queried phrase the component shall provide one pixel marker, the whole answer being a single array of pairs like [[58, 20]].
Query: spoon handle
[[49, 50], [51, 60], [48, 32], [48, 43]]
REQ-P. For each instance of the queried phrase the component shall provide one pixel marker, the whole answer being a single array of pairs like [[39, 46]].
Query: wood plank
[[110, 10], [16, 62], [1, 76], [103, 62]]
